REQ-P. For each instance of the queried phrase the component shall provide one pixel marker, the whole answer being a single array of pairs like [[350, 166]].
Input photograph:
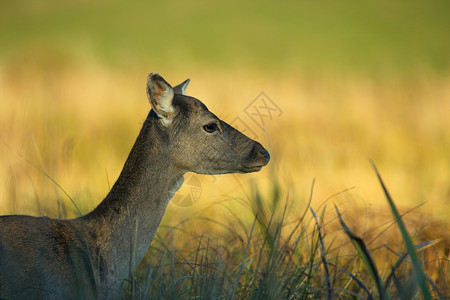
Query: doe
[[89, 256]]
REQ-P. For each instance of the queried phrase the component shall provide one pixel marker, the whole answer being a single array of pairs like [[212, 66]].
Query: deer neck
[[124, 224]]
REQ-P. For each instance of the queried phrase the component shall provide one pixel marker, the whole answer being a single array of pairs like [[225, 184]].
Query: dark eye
[[210, 128]]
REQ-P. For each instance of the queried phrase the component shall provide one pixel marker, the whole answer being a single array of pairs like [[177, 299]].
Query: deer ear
[[160, 94], [181, 88]]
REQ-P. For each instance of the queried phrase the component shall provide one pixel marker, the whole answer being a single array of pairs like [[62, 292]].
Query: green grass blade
[[242, 265], [419, 273], [354, 278], [365, 255], [329, 294]]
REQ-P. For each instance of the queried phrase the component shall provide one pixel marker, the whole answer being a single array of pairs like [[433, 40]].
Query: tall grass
[[277, 259]]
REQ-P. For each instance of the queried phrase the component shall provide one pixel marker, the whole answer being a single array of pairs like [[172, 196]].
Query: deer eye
[[210, 128]]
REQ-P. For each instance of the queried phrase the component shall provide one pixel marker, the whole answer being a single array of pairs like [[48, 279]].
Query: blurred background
[[323, 85]]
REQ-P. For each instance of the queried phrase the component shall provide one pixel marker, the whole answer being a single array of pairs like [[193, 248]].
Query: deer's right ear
[[160, 94]]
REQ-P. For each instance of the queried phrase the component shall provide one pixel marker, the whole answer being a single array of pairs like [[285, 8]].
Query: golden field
[[78, 126]]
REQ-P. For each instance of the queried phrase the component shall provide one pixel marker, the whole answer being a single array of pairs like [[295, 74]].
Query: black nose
[[265, 153]]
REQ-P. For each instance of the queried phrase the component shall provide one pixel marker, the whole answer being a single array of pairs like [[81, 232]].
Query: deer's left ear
[[160, 94], [181, 88]]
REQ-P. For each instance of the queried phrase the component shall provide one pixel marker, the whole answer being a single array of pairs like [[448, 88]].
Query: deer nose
[[265, 153], [259, 155]]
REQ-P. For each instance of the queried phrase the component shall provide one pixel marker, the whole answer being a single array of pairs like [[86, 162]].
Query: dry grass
[[79, 124]]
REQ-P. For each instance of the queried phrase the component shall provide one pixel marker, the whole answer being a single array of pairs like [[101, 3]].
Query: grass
[[277, 259]]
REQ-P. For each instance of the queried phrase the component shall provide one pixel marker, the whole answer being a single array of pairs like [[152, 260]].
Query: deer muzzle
[[258, 158]]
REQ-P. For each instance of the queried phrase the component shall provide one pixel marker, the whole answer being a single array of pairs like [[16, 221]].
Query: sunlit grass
[[79, 126], [277, 254]]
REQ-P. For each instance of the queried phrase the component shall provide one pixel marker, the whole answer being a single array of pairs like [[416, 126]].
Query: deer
[[90, 256]]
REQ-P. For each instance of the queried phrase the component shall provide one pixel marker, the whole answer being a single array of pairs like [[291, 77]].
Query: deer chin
[[241, 169], [251, 169]]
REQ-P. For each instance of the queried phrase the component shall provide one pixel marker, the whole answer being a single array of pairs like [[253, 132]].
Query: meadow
[[336, 86]]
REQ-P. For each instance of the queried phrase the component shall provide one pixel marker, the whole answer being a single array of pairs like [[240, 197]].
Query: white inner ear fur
[[165, 104], [161, 95], [164, 100]]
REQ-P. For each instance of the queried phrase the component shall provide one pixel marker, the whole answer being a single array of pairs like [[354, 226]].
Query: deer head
[[198, 141]]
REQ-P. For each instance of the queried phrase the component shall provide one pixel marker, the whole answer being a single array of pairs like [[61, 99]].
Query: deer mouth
[[255, 167]]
